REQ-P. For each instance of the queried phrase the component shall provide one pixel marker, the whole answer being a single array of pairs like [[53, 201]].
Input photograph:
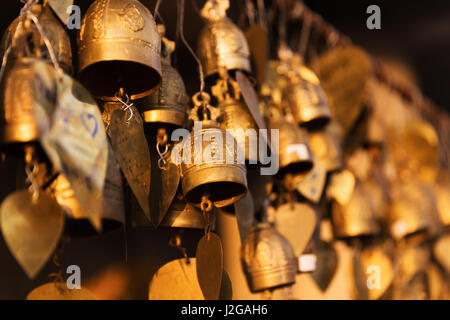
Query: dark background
[[416, 32]]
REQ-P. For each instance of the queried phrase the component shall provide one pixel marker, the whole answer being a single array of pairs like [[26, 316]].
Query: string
[[262, 14], [282, 22], [156, 12], [183, 39], [305, 34]]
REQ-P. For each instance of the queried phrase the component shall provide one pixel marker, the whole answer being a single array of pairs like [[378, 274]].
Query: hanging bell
[[355, 218], [442, 194], [221, 43], [210, 165], [119, 47], [17, 119], [326, 149], [52, 30], [168, 104], [236, 117], [294, 150], [307, 99], [268, 259]]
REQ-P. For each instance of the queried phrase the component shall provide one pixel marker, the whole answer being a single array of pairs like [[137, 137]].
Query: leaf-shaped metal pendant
[[176, 280], [250, 98], [245, 215], [31, 229], [296, 222], [312, 185], [59, 291], [326, 265], [132, 153], [209, 261], [170, 179]]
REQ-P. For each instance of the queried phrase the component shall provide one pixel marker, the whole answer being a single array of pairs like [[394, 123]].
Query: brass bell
[[169, 103], [119, 47], [18, 123], [52, 29], [326, 149], [236, 117], [221, 43], [294, 150], [184, 215], [267, 258], [355, 218], [307, 99], [442, 194]]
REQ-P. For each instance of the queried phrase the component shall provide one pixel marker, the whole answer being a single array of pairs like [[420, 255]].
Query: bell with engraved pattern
[[119, 47], [355, 218], [307, 99], [268, 259], [17, 120], [209, 163], [53, 31], [168, 105], [221, 43], [295, 153]]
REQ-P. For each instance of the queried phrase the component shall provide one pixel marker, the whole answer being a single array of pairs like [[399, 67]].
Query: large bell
[[17, 119], [307, 99], [52, 29], [267, 258], [209, 173], [221, 44], [119, 47], [355, 218], [168, 104], [294, 150]]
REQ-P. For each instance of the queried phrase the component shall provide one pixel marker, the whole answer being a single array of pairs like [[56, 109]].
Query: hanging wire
[[262, 18], [183, 39], [305, 34], [158, 3], [282, 23]]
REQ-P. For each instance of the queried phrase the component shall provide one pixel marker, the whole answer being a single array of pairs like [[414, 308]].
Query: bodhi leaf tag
[[296, 222], [31, 229], [132, 154], [59, 291], [341, 187], [245, 215], [176, 280], [326, 265], [72, 135], [209, 260], [312, 185], [170, 179], [250, 98]]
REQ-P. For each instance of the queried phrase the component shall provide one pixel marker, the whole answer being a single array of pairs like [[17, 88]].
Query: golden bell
[[355, 218], [268, 259], [307, 99], [295, 154], [17, 119], [184, 215], [209, 172], [169, 103], [411, 211], [442, 195], [54, 32], [221, 43], [119, 47], [326, 149]]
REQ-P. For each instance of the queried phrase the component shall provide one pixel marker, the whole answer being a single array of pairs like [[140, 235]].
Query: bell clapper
[[175, 242]]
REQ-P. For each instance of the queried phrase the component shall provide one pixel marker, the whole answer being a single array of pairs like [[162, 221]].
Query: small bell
[[52, 30], [236, 117], [221, 43], [210, 166], [268, 259], [355, 218], [295, 154], [17, 119], [169, 103], [119, 47], [326, 149]]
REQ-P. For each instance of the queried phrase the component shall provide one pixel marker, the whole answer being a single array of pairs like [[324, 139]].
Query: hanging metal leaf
[[59, 291], [60, 7], [326, 265], [312, 185], [72, 135], [132, 153], [226, 290], [31, 229], [245, 215], [209, 261], [176, 280], [170, 179]]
